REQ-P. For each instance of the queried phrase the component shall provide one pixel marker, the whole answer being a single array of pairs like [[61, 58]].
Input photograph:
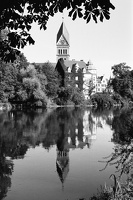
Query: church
[[81, 72]]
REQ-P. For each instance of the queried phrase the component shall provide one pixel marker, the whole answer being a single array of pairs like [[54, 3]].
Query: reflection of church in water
[[62, 164], [77, 137]]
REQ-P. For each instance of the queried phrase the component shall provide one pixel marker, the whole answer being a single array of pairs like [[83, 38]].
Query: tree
[[16, 17], [10, 78], [31, 91], [52, 80], [122, 83]]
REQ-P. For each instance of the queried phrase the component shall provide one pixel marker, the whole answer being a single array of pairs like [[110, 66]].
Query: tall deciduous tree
[[122, 82], [10, 78], [52, 78], [17, 17], [31, 91]]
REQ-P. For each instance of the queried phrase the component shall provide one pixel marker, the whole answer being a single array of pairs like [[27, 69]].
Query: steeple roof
[[63, 31]]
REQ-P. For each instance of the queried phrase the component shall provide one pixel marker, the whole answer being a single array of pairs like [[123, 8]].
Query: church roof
[[65, 64], [70, 63], [63, 31]]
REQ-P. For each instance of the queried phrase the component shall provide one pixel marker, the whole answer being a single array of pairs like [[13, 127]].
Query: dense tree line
[[122, 82], [32, 85]]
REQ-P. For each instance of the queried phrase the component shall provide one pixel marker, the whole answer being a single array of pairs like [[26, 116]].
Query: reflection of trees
[[64, 127], [122, 157], [6, 168], [102, 115], [12, 146], [123, 136], [21, 130], [60, 122], [123, 127]]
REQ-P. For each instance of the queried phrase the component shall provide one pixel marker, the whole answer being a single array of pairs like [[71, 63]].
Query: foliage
[[10, 78], [102, 100], [122, 156], [31, 91], [78, 98], [122, 83], [102, 194], [21, 83], [16, 18], [116, 192], [63, 95], [52, 80], [69, 96], [117, 98]]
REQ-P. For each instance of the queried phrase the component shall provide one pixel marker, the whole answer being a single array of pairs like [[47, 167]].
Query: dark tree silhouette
[[16, 18]]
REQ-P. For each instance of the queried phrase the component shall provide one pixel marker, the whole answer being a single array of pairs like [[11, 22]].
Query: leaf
[[30, 40], [101, 17], [89, 18], [107, 16], [94, 18], [112, 6], [80, 13], [74, 15], [71, 12], [28, 27]]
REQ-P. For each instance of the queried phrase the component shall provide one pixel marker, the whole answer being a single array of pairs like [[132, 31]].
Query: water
[[54, 154]]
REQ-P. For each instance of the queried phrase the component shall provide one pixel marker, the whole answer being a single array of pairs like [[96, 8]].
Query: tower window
[[59, 51], [65, 51]]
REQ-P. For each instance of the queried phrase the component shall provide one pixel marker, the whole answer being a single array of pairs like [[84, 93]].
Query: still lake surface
[[55, 154]]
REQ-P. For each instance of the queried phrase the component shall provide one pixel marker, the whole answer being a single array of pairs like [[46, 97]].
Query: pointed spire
[[63, 31]]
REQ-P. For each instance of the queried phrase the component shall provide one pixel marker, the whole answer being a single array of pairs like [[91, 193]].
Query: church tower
[[62, 43]]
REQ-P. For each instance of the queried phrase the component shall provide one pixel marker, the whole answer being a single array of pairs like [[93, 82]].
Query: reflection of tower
[[62, 164], [62, 161]]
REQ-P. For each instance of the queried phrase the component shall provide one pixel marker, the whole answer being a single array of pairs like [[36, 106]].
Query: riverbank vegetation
[[31, 85], [119, 91], [121, 158]]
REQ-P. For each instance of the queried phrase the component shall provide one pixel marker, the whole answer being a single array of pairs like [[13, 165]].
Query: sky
[[104, 43]]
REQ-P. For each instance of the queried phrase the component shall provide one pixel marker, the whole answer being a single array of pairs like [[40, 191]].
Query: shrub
[[78, 98], [117, 98], [102, 100]]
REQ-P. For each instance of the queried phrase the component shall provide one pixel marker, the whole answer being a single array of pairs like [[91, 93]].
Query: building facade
[[82, 74], [101, 84]]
